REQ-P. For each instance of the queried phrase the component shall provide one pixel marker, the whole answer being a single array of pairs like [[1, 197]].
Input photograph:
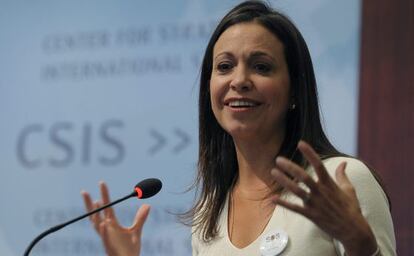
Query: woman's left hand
[[332, 206]]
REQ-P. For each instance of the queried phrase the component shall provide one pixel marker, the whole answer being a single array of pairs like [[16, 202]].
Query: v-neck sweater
[[304, 237]]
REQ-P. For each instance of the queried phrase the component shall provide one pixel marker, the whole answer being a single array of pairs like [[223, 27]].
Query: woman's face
[[250, 83]]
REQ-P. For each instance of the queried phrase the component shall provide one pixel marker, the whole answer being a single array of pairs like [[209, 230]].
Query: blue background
[[107, 90]]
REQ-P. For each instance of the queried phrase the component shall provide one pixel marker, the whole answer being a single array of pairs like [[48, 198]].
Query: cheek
[[216, 95], [278, 96]]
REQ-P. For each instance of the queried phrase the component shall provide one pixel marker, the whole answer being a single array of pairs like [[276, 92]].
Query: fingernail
[[275, 171], [301, 143], [280, 160]]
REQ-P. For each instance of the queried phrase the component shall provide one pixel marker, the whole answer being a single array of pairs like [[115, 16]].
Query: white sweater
[[305, 238]]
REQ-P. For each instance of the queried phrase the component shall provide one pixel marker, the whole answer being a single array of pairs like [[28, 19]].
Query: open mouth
[[242, 104]]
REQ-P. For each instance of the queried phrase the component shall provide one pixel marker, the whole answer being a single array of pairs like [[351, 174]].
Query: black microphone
[[144, 189]]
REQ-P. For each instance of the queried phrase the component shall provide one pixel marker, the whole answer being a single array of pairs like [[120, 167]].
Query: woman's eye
[[262, 67], [224, 66]]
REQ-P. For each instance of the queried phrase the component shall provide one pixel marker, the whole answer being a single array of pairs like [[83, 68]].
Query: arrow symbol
[[161, 141], [185, 140]]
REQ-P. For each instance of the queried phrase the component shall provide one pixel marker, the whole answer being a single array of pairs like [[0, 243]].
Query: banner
[[107, 90]]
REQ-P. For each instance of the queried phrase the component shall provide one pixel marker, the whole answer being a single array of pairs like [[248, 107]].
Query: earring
[[293, 106]]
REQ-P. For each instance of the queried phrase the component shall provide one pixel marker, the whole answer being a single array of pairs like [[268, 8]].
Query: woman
[[264, 190]]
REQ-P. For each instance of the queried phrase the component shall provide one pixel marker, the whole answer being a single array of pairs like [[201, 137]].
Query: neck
[[255, 160]]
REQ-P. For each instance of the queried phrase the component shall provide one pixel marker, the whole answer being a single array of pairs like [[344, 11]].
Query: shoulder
[[354, 165], [366, 185], [218, 243], [358, 172]]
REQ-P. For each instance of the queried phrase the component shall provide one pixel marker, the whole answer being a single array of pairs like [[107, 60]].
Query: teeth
[[242, 103]]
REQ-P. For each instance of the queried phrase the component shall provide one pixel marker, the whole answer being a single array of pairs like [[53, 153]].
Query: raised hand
[[332, 206], [117, 240]]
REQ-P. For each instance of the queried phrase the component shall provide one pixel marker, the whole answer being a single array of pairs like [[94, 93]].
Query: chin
[[241, 132]]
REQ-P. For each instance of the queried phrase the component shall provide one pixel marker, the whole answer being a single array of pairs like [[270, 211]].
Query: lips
[[241, 103]]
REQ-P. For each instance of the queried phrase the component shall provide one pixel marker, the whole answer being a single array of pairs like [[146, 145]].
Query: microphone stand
[[60, 226]]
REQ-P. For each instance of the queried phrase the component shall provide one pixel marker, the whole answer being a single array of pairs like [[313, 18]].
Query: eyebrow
[[253, 54], [260, 54], [223, 53]]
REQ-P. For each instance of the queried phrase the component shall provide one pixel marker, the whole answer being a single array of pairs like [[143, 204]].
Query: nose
[[241, 80]]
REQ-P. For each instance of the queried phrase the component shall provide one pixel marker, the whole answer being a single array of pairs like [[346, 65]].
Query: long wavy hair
[[217, 163]]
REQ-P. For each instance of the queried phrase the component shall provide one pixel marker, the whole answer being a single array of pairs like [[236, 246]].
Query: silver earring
[[293, 106]]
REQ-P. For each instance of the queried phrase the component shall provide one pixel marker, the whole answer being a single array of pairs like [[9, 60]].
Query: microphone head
[[147, 188]]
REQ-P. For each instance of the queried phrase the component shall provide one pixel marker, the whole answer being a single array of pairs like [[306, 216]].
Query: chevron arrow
[[161, 141], [185, 140]]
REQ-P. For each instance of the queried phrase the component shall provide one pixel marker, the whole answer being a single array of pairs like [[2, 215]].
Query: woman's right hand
[[117, 240]]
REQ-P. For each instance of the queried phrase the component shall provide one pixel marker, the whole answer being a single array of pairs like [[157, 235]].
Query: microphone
[[144, 189]]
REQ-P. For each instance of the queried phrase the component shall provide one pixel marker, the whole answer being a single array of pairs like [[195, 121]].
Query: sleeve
[[373, 202]]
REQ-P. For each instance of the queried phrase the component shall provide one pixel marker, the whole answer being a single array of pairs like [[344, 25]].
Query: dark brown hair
[[217, 164]]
